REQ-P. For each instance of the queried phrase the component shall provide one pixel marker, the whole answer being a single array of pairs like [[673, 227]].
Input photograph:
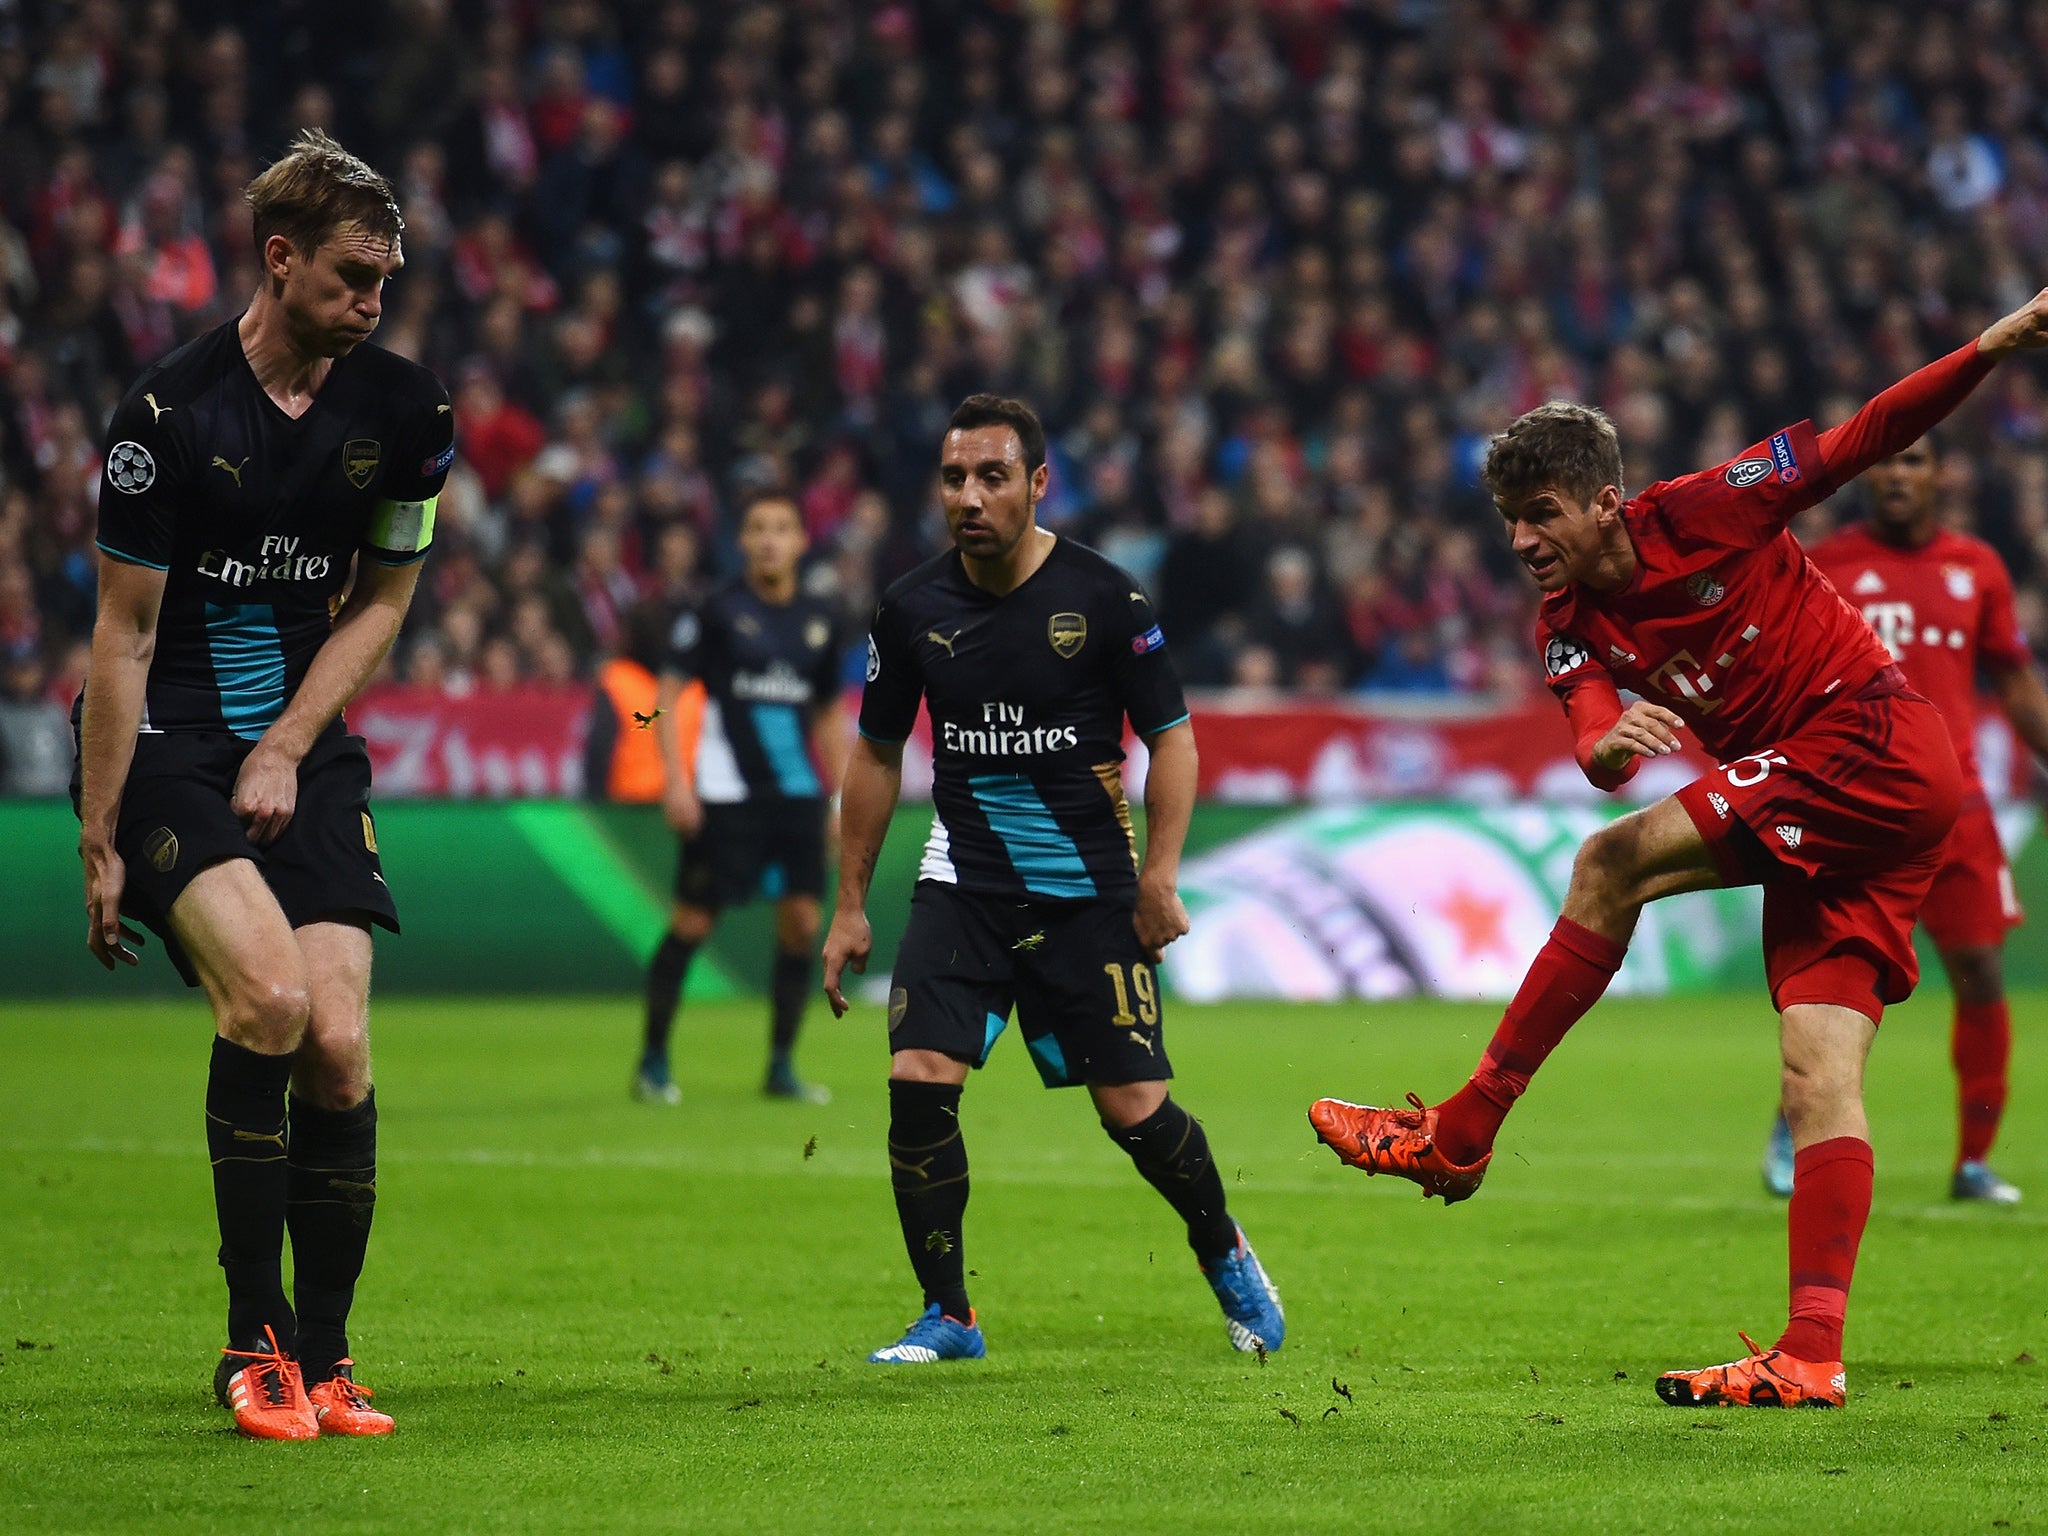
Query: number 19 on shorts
[[1142, 986]]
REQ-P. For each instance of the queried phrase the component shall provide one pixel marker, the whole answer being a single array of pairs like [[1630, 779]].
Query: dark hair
[[1560, 445], [1001, 411], [767, 494], [316, 188]]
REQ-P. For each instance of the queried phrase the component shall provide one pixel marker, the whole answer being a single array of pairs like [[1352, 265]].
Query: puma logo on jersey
[[441, 410], [156, 412], [233, 469], [942, 641], [1788, 834]]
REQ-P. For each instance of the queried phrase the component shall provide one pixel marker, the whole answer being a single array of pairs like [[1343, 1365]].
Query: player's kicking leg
[[331, 1155], [789, 989], [1171, 1151], [244, 953], [1446, 1147], [689, 925], [1980, 1045]]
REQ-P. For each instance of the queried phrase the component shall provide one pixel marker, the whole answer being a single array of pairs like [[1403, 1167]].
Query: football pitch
[[591, 1315]]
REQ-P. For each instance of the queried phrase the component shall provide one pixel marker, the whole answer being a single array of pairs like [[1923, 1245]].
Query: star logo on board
[[1480, 920]]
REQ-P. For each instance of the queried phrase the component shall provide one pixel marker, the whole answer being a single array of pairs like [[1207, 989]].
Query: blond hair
[[314, 189]]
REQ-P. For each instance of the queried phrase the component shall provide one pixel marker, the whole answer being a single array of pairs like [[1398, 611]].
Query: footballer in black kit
[[257, 521], [1029, 652], [751, 807], [269, 492]]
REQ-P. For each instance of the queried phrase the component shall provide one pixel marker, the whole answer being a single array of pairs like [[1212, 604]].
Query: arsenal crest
[[1068, 633], [359, 458]]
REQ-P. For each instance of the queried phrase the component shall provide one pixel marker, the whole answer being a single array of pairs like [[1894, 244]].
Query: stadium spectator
[[1272, 274]]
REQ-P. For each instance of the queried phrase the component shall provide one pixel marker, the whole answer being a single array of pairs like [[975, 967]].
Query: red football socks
[[1980, 1046], [1830, 1203], [1565, 980]]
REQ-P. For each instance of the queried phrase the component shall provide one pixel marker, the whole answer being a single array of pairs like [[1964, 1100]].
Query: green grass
[[593, 1316]]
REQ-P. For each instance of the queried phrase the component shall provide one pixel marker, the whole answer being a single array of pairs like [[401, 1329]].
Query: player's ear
[[1607, 505], [277, 254], [1041, 477]]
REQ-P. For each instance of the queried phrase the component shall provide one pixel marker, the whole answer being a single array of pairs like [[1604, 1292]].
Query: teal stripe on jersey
[[1044, 857], [248, 665], [781, 733]]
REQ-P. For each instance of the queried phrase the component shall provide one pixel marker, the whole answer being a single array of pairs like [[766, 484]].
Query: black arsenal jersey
[[767, 669], [257, 517], [1028, 694]]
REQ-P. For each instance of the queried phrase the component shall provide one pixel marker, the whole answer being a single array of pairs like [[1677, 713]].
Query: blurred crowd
[[1272, 271]]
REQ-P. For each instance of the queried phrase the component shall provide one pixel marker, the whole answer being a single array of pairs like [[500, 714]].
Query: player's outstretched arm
[[2025, 702], [267, 788], [1170, 785], [1903, 414], [123, 642], [867, 801]]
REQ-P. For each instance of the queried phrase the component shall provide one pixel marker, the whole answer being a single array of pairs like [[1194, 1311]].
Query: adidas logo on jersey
[[1868, 583], [1788, 834], [1719, 802]]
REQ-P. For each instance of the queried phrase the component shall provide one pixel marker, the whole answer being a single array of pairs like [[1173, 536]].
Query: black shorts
[[1087, 1000], [176, 819], [756, 850]]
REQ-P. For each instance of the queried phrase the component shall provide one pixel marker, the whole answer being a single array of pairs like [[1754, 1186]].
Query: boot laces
[[266, 1368]]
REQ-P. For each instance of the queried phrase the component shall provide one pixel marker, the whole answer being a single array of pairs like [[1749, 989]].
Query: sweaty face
[[335, 297], [1902, 487], [987, 491], [772, 539], [1557, 538]]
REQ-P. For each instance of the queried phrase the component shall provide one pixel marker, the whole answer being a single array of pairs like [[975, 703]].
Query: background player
[[751, 809], [1837, 790], [1029, 651], [221, 800], [1941, 602]]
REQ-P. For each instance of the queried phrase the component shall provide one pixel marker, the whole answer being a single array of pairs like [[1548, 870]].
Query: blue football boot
[[1778, 1160], [1976, 1181], [934, 1336], [653, 1085], [1251, 1306]]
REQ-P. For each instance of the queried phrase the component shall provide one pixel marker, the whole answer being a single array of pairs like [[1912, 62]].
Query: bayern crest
[[1706, 588]]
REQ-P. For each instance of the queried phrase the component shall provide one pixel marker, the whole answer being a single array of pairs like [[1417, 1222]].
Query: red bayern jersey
[[1725, 621], [1942, 610]]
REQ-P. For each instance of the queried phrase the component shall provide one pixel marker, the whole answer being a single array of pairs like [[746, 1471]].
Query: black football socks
[[245, 1093], [1173, 1154], [332, 1184], [789, 988], [928, 1166], [666, 973]]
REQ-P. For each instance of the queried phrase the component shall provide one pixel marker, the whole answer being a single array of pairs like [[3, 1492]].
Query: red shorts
[[1972, 904], [1844, 824]]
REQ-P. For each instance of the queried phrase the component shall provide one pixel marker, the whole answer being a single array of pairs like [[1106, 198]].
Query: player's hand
[[1644, 730], [685, 812], [266, 793], [1160, 917], [106, 877], [2025, 329], [849, 942]]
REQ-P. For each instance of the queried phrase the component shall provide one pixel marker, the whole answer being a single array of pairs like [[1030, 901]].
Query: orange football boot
[[1397, 1141], [1768, 1378], [267, 1393], [343, 1405]]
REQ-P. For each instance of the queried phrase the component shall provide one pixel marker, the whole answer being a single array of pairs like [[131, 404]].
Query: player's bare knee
[[796, 926], [691, 924], [1975, 975], [331, 1082], [917, 1066], [267, 1014], [1605, 876]]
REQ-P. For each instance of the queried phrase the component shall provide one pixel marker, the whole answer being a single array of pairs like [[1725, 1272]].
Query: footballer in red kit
[[1941, 604], [1836, 791]]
